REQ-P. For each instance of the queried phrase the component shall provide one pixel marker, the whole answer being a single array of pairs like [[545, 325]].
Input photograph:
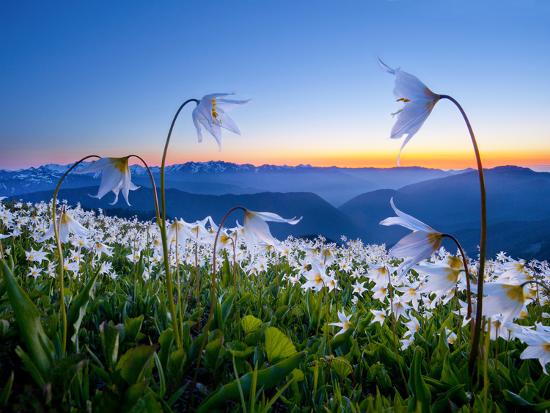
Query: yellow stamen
[[514, 292], [434, 239], [214, 112], [121, 164], [404, 100], [318, 279]]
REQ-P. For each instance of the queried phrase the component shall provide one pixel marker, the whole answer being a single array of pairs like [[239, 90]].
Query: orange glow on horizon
[[441, 160]]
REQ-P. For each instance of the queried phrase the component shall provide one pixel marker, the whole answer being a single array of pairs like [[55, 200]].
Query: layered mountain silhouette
[[518, 203], [336, 185]]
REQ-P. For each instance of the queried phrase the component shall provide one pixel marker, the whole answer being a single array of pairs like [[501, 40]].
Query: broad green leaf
[[110, 338], [40, 348], [77, 309], [341, 366], [134, 362], [132, 327], [417, 385], [250, 323], [266, 378], [277, 345]]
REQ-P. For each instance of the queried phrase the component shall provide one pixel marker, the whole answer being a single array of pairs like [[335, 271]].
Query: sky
[[104, 77]]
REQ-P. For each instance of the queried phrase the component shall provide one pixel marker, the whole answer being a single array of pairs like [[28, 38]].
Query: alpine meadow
[[130, 282]]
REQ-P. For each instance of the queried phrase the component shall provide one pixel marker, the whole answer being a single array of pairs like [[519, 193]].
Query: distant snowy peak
[[48, 171]]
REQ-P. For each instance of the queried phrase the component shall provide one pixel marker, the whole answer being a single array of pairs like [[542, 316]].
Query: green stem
[[466, 271], [60, 267], [213, 287], [474, 352], [162, 225]]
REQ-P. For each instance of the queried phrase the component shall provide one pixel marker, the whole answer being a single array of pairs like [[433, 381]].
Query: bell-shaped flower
[[67, 225], [211, 115], [418, 101], [506, 299], [538, 347], [115, 177], [379, 316], [316, 277], [442, 276], [419, 245], [177, 230], [255, 226], [344, 322]]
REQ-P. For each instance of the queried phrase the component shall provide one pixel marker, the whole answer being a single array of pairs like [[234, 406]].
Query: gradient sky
[[105, 77]]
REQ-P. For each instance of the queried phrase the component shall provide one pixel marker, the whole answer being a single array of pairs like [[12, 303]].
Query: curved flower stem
[[213, 288], [466, 271], [538, 283], [60, 267], [482, 240], [162, 225], [153, 186]]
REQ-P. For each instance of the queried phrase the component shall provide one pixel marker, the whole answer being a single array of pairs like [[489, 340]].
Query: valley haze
[[333, 201]]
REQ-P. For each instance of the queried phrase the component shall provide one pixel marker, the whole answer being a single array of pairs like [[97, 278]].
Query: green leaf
[[134, 362], [417, 385], [132, 327], [212, 351], [6, 391], [515, 399], [341, 366], [277, 345], [266, 378], [77, 309], [40, 348], [110, 338], [250, 323]]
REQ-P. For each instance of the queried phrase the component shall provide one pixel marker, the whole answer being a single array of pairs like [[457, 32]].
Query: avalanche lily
[[115, 177], [344, 323], [210, 114], [506, 299], [67, 225], [416, 246], [256, 228], [418, 101], [538, 347]]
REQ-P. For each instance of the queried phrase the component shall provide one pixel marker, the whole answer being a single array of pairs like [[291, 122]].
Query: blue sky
[[105, 77]]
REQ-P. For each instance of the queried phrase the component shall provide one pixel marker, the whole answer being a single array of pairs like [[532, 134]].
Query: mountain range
[[336, 185], [518, 200]]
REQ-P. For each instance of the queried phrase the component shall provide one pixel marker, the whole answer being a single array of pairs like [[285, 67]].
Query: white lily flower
[[210, 114], [443, 276], [316, 277], [538, 347], [67, 225], [418, 101], [451, 336], [255, 226], [34, 272], [177, 229], [416, 246], [379, 316], [115, 176], [506, 299], [344, 323]]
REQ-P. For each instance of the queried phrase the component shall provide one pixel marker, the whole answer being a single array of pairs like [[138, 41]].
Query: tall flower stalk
[[162, 226], [123, 183], [60, 266], [482, 239], [418, 102], [209, 114]]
